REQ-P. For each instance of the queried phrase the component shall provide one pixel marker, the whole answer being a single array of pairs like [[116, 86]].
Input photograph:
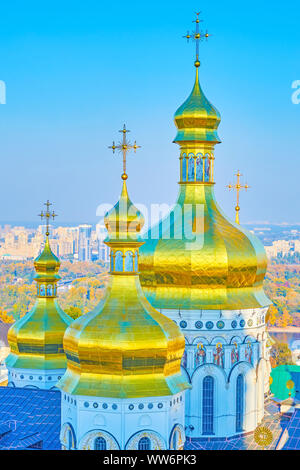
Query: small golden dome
[[36, 340], [124, 221], [47, 264], [197, 119]]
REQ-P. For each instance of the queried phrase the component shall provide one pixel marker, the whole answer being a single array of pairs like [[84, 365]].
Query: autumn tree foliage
[[5, 318], [282, 285], [280, 354]]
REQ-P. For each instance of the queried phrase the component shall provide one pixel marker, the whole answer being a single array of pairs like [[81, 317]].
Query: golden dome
[[47, 264], [211, 263], [36, 340], [123, 348], [196, 258], [197, 119], [124, 221]]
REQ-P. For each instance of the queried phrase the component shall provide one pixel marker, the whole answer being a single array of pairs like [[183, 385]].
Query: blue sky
[[76, 71]]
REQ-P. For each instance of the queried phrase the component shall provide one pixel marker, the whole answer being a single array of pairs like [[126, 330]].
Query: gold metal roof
[[36, 340], [214, 265]]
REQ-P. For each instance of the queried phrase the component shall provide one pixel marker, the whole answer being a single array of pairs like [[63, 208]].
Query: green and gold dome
[[196, 258], [124, 348], [36, 340]]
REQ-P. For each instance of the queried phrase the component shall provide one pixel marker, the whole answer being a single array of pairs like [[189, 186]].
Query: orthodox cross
[[46, 215], [197, 36], [238, 186], [124, 146]]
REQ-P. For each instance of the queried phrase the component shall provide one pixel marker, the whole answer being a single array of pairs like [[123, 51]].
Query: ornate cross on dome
[[237, 187], [124, 146], [197, 36], [46, 215]]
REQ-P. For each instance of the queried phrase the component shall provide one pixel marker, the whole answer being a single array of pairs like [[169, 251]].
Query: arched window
[[207, 167], [136, 261], [239, 403], [199, 168], [208, 405], [144, 444], [129, 261], [119, 261], [191, 168], [111, 260], [49, 289], [183, 170], [70, 440], [42, 290], [100, 443]]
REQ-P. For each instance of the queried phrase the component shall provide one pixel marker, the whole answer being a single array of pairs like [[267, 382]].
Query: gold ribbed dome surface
[[36, 340], [123, 348], [214, 265]]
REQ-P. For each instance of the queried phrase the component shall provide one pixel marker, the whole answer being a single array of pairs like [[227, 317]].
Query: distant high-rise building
[[84, 242]]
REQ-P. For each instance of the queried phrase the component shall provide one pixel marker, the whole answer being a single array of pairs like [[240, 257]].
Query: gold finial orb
[[124, 176], [290, 384], [197, 63]]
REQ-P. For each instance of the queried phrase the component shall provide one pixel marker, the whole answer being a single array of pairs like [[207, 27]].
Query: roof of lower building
[[293, 432], [29, 419]]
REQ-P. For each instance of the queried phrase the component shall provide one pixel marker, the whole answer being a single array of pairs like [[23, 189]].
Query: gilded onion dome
[[36, 340], [197, 119], [196, 258], [124, 221], [123, 348]]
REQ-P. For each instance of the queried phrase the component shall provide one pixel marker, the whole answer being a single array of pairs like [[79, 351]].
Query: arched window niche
[[183, 167], [191, 167], [199, 167], [70, 440], [144, 444], [42, 290], [129, 261], [49, 290], [100, 443], [239, 402], [118, 262], [136, 261], [207, 168], [208, 406]]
